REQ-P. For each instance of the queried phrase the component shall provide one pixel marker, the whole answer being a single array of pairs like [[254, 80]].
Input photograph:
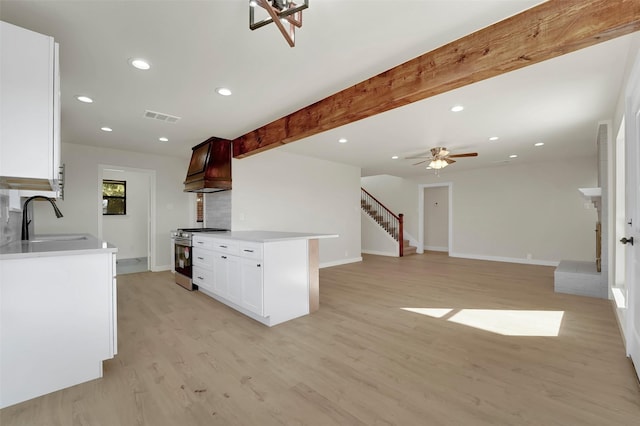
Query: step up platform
[[581, 278]]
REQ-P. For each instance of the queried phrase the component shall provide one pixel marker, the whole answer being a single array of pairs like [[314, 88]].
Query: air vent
[[161, 116]]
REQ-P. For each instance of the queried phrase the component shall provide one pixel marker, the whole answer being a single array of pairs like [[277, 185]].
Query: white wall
[[507, 212], [129, 232], [436, 218], [81, 206], [279, 191]]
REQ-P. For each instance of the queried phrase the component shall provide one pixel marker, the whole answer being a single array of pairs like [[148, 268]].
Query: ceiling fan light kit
[[282, 13], [440, 158]]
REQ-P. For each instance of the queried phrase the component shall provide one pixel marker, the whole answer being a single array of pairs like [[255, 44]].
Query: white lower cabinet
[[202, 272], [252, 285], [268, 281], [203, 278], [58, 320], [220, 273]]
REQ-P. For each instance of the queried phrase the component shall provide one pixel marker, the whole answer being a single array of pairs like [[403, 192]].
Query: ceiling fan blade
[[468, 154], [413, 157], [449, 160], [420, 162]]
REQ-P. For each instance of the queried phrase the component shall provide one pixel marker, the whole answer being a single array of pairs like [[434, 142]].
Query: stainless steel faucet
[[26, 222]]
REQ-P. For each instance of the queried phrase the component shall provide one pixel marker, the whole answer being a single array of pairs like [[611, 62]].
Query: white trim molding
[[506, 259], [421, 189]]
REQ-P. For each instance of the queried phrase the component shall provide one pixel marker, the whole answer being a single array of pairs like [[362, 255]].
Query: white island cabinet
[[271, 277], [58, 314]]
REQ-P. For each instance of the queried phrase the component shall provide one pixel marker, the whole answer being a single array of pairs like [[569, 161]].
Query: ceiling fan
[[440, 157]]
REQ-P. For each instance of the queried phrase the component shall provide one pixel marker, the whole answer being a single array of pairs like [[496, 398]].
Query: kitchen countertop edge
[[266, 236], [50, 247]]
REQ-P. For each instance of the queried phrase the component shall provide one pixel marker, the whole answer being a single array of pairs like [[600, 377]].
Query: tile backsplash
[[217, 211], [10, 222]]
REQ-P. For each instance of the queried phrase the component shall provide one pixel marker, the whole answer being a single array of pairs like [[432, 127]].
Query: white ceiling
[[196, 46]]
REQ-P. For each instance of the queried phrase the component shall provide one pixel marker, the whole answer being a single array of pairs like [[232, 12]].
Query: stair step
[[407, 250]]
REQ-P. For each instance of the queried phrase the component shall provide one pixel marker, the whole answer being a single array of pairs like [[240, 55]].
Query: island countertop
[[266, 236], [55, 245]]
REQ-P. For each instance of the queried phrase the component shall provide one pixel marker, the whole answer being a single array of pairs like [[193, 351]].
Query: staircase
[[382, 220], [389, 221]]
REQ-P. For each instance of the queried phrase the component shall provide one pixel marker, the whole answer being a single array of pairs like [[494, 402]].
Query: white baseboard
[[506, 259], [340, 262], [436, 248], [380, 253], [160, 268]]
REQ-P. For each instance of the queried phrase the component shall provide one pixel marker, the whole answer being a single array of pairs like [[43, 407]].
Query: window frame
[[114, 197]]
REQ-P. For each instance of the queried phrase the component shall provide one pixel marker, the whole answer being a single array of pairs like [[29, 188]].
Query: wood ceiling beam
[[551, 29]]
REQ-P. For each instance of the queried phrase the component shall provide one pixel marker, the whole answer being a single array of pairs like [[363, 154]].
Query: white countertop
[[265, 236], [55, 245]]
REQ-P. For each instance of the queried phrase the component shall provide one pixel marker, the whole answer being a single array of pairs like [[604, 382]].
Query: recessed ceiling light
[[494, 138], [223, 91], [457, 108], [513, 156], [538, 144], [395, 157], [140, 64], [342, 140], [163, 139], [106, 129], [85, 99]]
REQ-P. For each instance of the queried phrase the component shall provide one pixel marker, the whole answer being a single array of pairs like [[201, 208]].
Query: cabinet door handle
[[200, 278], [248, 251], [224, 257], [201, 258], [223, 246], [258, 265], [200, 242]]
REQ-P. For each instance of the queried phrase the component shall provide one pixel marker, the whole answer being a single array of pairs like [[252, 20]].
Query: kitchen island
[[269, 276], [58, 314]]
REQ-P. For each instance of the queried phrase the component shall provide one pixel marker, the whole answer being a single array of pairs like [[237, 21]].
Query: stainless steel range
[[183, 243]]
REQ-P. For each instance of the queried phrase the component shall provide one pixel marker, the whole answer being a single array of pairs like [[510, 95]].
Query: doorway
[[129, 229], [618, 288], [435, 217], [631, 324]]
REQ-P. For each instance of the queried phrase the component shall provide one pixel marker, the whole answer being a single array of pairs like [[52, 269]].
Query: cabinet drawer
[[251, 250], [203, 258], [203, 278], [202, 242], [225, 246]]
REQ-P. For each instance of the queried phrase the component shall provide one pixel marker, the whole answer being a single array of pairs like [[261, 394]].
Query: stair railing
[[388, 220]]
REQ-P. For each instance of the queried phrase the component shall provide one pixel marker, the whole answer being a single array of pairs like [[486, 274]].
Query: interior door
[[632, 213]]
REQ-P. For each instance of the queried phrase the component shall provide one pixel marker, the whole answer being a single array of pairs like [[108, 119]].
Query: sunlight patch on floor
[[432, 312], [501, 321]]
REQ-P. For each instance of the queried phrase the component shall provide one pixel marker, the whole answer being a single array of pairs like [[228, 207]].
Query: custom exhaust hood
[[210, 167]]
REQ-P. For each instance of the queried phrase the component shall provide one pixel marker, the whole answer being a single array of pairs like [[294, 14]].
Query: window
[[114, 197]]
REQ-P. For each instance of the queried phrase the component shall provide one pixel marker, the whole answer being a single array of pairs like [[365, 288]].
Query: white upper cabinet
[[29, 110]]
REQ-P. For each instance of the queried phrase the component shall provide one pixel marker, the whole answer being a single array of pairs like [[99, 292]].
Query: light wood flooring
[[185, 359]]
